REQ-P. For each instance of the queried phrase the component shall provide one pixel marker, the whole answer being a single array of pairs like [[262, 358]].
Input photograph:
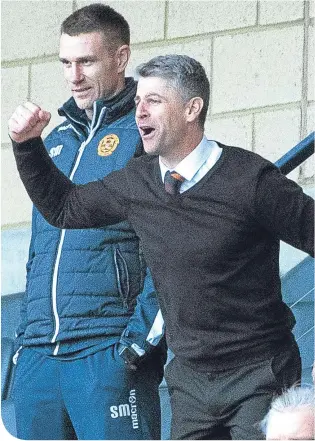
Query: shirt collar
[[190, 165]]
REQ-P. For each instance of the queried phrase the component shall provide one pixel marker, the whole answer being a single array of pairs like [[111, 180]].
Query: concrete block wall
[[258, 54]]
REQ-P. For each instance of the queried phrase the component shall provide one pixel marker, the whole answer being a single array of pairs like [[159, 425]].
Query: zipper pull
[[16, 355], [56, 348]]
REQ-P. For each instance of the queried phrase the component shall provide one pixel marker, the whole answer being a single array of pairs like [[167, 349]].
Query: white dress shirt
[[195, 165]]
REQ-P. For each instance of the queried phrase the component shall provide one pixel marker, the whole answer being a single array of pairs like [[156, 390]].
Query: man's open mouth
[[146, 131]]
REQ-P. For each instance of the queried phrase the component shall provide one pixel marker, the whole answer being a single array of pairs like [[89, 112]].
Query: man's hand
[[27, 122], [130, 356]]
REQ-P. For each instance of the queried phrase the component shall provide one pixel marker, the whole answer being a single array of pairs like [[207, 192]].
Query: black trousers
[[229, 404]]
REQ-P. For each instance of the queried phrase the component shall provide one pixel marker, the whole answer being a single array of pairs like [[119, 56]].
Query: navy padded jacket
[[89, 287]]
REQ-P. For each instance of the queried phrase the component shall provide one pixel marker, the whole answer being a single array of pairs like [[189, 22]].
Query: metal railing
[[297, 155], [288, 162], [303, 297]]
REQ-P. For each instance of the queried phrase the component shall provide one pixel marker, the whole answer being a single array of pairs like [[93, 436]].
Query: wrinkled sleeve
[[145, 328], [61, 202], [284, 209]]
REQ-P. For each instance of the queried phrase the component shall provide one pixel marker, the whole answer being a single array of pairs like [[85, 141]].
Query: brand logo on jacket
[[108, 145], [55, 151], [69, 126], [127, 410]]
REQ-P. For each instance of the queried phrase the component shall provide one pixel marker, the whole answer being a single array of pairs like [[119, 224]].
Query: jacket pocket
[[122, 277]]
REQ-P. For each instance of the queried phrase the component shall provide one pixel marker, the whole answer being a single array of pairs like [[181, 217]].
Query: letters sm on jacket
[[83, 285]]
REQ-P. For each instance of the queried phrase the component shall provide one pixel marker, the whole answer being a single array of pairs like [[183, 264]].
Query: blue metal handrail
[[298, 154], [288, 162]]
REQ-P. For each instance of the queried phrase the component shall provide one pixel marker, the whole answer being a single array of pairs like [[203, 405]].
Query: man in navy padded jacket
[[210, 218], [90, 347]]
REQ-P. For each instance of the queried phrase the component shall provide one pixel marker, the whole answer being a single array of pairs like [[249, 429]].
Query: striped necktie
[[172, 182]]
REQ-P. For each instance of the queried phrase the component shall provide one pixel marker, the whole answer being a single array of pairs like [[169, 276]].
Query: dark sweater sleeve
[[284, 209], [61, 202]]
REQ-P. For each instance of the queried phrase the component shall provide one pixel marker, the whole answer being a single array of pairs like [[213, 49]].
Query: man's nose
[[141, 110], [76, 74]]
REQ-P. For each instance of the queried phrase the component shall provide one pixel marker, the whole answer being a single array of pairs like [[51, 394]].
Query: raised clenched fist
[[27, 122]]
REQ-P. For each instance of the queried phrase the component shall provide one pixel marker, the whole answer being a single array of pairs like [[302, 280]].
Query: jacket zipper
[[63, 231], [124, 297]]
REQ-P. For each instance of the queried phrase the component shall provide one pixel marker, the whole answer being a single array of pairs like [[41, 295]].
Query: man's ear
[[123, 55], [193, 108]]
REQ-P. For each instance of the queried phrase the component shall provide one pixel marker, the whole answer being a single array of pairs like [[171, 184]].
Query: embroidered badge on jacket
[[107, 145]]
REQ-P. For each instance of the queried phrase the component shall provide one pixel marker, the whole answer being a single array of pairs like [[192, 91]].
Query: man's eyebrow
[[80, 59], [150, 94]]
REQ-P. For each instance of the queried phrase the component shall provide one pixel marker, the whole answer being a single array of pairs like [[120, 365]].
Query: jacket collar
[[116, 107]]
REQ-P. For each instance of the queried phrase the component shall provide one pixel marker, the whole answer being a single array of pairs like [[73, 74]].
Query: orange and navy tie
[[172, 182]]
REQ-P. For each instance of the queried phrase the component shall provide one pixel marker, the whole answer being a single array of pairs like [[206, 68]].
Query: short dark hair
[[185, 74], [98, 17]]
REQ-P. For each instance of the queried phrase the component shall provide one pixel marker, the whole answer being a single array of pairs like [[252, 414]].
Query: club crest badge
[[107, 145]]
